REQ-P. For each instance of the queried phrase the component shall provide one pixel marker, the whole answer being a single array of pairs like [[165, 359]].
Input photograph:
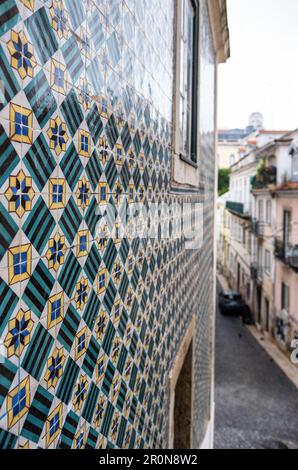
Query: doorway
[[259, 303], [180, 392], [183, 402], [267, 313], [238, 276]]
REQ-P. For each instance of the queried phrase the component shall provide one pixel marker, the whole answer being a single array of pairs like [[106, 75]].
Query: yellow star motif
[[22, 54], [80, 393], [18, 336], [20, 194], [59, 18], [55, 367], [57, 133], [81, 296], [56, 252], [83, 193]]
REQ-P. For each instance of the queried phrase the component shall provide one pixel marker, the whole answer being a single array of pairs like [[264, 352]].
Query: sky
[[262, 73]]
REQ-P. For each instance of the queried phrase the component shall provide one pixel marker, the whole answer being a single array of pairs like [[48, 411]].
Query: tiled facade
[[90, 325]]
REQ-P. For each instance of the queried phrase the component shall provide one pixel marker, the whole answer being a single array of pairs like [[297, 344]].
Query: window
[[261, 210], [295, 166], [286, 228], [268, 212], [285, 297], [267, 262], [188, 80]]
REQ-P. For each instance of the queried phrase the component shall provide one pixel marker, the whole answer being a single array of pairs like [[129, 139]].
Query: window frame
[[185, 169], [268, 211], [285, 289], [294, 166], [261, 210], [193, 137], [267, 262], [287, 221]]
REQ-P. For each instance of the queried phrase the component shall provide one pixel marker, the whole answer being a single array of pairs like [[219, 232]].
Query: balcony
[[288, 254], [265, 177], [238, 208], [258, 228], [256, 272]]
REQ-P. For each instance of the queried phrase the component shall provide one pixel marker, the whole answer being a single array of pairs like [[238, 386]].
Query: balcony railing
[[286, 253], [256, 272], [258, 228], [265, 177], [238, 208]]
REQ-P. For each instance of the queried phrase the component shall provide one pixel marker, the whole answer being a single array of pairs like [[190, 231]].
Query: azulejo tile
[[22, 54], [72, 112], [54, 369], [9, 16], [83, 311], [58, 77], [58, 137], [40, 162], [20, 194], [40, 406], [80, 393], [57, 193], [83, 243], [81, 293], [19, 263], [59, 18], [56, 252], [41, 98], [18, 402], [42, 35], [29, 4], [73, 59], [39, 225], [19, 332], [21, 124], [56, 308], [54, 425]]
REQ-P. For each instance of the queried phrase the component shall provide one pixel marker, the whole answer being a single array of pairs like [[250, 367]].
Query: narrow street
[[256, 404]]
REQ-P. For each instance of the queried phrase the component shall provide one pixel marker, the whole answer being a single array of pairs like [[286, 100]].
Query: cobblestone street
[[256, 404]]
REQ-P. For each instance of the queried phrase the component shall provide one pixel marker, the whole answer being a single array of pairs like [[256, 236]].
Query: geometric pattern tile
[[72, 57], [71, 166], [37, 352], [9, 301], [71, 220], [40, 162], [9, 156], [9, 16], [40, 407], [69, 430], [39, 225], [76, 13], [10, 85], [69, 274], [72, 113], [94, 170], [8, 230], [42, 36], [90, 323], [8, 372], [38, 289], [41, 98], [95, 124], [69, 328]]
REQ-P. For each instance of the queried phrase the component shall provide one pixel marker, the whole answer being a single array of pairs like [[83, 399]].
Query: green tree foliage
[[223, 181]]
